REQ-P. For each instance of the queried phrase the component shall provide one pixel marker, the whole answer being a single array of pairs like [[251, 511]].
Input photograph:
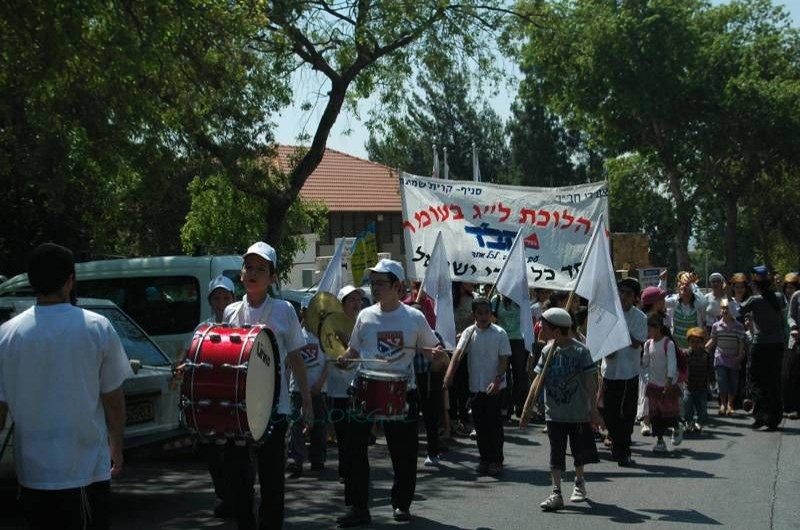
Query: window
[[162, 305], [136, 344]]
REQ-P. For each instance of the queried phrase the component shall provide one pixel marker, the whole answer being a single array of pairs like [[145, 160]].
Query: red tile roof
[[346, 183]]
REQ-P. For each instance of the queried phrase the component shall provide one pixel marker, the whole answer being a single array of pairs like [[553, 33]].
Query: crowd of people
[[736, 343]]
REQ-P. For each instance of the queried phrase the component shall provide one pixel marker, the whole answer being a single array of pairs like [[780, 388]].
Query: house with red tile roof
[[357, 192]]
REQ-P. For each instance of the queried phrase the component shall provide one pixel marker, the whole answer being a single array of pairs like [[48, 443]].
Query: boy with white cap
[[317, 376], [221, 294], [257, 307], [388, 330], [340, 378], [570, 387]]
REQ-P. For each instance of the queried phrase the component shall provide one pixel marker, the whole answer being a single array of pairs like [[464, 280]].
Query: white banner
[[478, 222]]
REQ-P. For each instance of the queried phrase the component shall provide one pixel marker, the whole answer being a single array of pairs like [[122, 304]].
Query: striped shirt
[[728, 337]]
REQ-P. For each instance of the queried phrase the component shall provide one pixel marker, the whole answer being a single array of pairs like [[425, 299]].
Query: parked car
[[151, 405], [166, 295]]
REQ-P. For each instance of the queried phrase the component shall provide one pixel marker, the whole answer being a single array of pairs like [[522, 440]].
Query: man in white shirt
[[61, 375], [391, 331], [621, 377]]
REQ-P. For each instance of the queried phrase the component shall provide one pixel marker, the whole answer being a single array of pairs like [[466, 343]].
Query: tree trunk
[[684, 218], [731, 221]]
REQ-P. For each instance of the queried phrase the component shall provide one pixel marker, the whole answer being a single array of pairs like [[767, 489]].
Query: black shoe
[[401, 516], [757, 424], [294, 470], [222, 509], [626, 461], [354, 517]]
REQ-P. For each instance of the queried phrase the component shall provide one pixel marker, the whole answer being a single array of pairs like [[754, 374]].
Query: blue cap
[[760, 273]]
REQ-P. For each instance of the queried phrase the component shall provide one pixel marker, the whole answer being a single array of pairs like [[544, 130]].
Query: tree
[[543, 151], [105, 107], [367, 49], [226, 220], [698, 90], [445, 114]]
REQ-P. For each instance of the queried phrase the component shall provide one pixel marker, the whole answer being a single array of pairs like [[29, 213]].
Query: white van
[[167, 296]]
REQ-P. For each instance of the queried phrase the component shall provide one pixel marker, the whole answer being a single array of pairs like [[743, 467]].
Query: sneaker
[[431, 461], [554, 502], [722, 410], [401, 515], [626, 461], [483, 468], [698, 428], [578, 492], [354, 517], [677, 434], [473, 435], [660, 446], [646, 431]]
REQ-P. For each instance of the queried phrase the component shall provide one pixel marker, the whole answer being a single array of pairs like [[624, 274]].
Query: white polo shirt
[[55, 362], [280, 316]]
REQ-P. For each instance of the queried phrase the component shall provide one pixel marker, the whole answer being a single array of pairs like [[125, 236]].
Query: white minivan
[[167, 296]]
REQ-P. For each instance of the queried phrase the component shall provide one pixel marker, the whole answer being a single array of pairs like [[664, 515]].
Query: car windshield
[[137, 345]]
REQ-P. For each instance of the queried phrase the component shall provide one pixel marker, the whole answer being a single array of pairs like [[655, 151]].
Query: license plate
[[139, 412]]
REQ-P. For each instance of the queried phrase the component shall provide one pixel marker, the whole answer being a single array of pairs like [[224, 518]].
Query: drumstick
[[424, 349], [384, 361]]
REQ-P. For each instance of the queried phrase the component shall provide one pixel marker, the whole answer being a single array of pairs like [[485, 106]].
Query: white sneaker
[[473, 435], [552, 503], [660, 446], [677, 434], [698, 428], [578, 492], [431, 461], [646, 431]]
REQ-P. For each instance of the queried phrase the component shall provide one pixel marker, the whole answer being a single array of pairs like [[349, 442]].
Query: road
[[729, 476]]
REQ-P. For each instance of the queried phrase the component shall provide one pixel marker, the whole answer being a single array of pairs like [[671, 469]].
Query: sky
[[349, 134]]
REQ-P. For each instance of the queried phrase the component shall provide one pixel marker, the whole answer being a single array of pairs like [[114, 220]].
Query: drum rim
[[382, 376]]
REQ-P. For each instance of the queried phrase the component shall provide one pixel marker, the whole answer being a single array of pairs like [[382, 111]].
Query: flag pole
[[538, 383]]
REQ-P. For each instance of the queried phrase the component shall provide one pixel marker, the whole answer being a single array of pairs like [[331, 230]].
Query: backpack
[[681, 360]]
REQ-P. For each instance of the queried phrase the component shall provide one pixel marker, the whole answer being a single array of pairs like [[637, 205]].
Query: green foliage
[[108, 108], [225, 220], [638, 204], [446, 114], [543, 151]]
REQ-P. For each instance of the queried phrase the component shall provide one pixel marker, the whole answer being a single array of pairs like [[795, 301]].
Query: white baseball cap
[[558, 317], [263, 250], [346, 291], [221, 282], [389, 266]]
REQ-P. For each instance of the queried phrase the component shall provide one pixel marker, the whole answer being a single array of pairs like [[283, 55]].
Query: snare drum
[[380, 395], [231, 381]]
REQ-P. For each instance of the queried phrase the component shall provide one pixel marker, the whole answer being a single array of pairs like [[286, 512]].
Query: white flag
[[476, 169], [446, 167], [438, 286], [607, 329], [512, 282], [435, 172], [331, 280]]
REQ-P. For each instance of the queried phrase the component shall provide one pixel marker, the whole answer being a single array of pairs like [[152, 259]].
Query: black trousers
[[520, 383], [791, 380], [270, 460], [620, 397], [429, 391], [215, 459], [403, 440], [338, 410], [765, 373], [459, 395], [68, 509], [488, 427]]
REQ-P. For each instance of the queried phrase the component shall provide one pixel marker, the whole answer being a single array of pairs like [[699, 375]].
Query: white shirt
[[55, 362], [626, 363], [393, 336], [314, 359], [659, 361], [713, 308], [281, 317], [483, 355]]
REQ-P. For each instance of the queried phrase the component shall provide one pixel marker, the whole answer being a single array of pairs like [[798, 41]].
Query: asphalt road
[[729, 476]]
